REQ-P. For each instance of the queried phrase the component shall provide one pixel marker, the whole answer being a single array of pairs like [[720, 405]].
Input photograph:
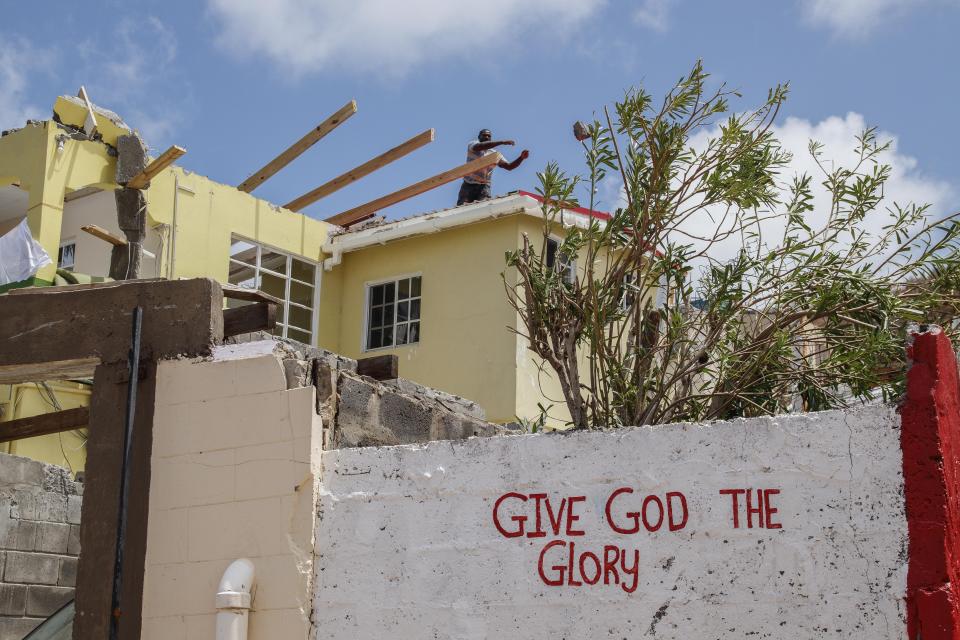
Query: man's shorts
[[470, 192]]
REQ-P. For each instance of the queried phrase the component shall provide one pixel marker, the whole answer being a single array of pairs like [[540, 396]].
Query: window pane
[[274, 285], [376, 294], [403, 289], [243, 251], [413, 333], [388, 292], [303, 271], [302, 318], [552, 246], [403, 310], [388, 315], [296, 334], [415, 286], [242, 275], [301, 294], [373, 339], [273, 261], [376, 317], [388, 337], [278, 330], [415, 309], [401, 334]]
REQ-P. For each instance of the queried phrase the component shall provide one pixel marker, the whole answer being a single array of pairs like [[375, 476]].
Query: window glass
[[244, 252], [303, 271], [300, 317], [290, 279], [392, 309], [301, 293], [272, 261], [66, 257]]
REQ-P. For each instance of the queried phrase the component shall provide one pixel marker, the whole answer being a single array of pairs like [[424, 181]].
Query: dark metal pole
[[134, 361]]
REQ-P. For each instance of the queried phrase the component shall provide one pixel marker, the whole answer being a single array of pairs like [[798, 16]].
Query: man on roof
[[476, 186]]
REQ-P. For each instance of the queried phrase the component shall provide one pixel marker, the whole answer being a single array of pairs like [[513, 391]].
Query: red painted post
[[930, 439]]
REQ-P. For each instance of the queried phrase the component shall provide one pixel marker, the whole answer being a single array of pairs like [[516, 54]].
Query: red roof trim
[[599, 215]]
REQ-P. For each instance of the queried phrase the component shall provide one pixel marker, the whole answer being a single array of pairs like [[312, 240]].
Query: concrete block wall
[[236, 454], [231, 477], [39, 542]]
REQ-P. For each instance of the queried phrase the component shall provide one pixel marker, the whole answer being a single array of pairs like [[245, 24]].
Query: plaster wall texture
[[93, 254], [39, 542], [231, 477], [407, 545]]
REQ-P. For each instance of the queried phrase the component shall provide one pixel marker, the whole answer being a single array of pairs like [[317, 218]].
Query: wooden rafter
[[44, 424], [367, 210], [162, 161], [298, 147], [41, 371], [90, 124], [364, 169], [103, 234]]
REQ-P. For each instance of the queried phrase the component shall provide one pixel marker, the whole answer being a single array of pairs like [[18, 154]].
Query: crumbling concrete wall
[[236, 454], [780, 528], [39, 542]]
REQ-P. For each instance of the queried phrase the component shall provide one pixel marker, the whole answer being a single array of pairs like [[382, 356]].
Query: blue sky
[[236, 81]]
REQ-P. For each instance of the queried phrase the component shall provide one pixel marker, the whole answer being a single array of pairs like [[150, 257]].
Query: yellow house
[[60, 181], [427, 288]]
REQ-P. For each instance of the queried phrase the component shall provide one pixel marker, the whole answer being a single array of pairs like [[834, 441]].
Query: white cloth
[[20, 255], [484, 176]]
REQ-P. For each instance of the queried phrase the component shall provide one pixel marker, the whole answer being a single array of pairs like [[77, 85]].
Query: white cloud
[[857, 18], [134, 75], [906, 184], [654, 14], [18, 59], [388, 37]]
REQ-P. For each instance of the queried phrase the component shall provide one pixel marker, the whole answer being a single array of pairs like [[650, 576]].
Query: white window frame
[[568, 266], [288, 278], [365, 329], [73, 265]]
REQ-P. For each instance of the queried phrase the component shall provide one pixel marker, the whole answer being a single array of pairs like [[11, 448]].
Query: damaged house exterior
[[427, 288]]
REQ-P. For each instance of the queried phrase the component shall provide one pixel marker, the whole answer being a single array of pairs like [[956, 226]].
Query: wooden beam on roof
[[367, 210], [44, 424], [54, 370], [103, 234], [235, 292], [162, 161], [259, 316], [298, 147], [364, 169]]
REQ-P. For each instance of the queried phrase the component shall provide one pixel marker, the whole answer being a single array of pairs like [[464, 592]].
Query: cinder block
[[73, 541], [52, 537], [15, 470], [17, 628], [74, 509], [31, 568], [22, 536], [131, 157], [52, 507], [13, 599], [23, 504], [68, 572], [358, 416], [407, 418], [44, 600]]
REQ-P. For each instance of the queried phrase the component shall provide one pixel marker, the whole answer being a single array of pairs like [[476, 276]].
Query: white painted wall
[[93, 254], [407, 548]]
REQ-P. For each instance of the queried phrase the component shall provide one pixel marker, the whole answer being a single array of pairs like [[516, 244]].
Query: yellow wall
[[208, 212], [465, 347], [194, 242], [66, 449]]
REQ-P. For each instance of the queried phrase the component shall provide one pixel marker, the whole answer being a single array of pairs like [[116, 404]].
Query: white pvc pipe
[[233, 600]]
